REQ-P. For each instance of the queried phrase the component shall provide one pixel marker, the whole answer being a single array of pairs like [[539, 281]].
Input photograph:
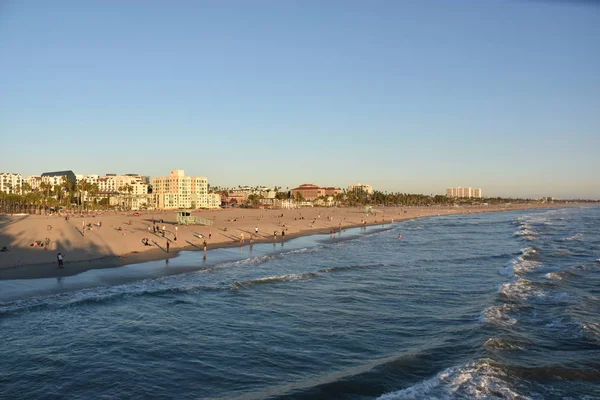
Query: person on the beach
[[242, 238], [59, 258], [274, 235], [209, 234], [282, 235], [168, 246], [256, 230], [175, 238]]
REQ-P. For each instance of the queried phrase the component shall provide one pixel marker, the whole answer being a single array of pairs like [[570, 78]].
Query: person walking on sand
[[275, 235], [168, 246], [283, 235], [256, 230], [209, 233], [59, 258], [242, 238]]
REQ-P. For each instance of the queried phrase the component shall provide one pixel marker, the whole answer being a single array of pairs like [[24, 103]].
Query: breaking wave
[[577, 236], [481, 379], [500, 315], [272, 279], [501, 344], [536, 292]]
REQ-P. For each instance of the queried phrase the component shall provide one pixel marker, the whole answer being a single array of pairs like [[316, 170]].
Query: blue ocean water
[[491, 306]]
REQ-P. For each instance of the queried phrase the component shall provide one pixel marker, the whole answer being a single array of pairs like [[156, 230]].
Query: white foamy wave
[[500, 344], [521, 289], [527, 251], [526, 233], [262, 259], [577, 236], [238, 263], [508, 271], [554, 275], [566, 273], [304, 250], [499, 315], [591, 330], [560, 275], [475, 380], [272, 279], [522, 266], [524, 290]]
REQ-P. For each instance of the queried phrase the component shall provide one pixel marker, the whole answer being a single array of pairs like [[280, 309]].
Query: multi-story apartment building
[[11, 182], [58, 177], [180, 191], [360, 187], [34, 181], [88, 178], [463, 192], [113, 183]]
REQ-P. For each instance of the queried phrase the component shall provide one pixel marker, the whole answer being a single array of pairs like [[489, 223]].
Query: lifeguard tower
[[186, 218]]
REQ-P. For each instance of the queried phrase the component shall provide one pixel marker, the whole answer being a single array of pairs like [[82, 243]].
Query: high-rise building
[[11, 182], [180, 191], [463, 192]]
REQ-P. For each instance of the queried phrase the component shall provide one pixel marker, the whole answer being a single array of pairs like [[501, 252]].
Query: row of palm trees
[[380, 198], [65, 194]]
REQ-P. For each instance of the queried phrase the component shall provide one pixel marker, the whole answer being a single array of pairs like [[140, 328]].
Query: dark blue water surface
[[499, 305]]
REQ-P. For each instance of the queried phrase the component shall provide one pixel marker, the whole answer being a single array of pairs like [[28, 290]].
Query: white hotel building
[[115, 188], [464, 192], [178, 191], [11, 183], [360, 187]]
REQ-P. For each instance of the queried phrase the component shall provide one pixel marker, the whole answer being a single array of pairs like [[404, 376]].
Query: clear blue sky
[[411, 96]]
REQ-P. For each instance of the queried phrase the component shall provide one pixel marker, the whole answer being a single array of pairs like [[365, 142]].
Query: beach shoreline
[[122, 248]]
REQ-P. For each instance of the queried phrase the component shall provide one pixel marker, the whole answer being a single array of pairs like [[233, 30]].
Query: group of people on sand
[[38, 243]]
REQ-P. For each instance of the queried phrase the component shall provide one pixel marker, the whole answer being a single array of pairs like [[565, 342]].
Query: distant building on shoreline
[[464, 192], [11, 183], [308, 191], [56, 177], [178, 191], [360, 187]]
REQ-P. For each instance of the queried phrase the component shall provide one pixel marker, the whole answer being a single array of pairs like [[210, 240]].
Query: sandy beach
[[113, 239]]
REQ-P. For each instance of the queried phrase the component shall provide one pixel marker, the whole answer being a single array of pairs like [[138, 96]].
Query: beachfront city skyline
[[180, 191], [408, 96]]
